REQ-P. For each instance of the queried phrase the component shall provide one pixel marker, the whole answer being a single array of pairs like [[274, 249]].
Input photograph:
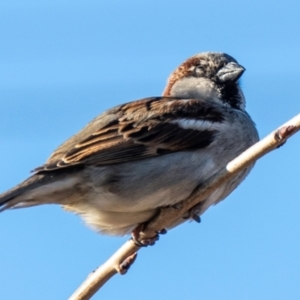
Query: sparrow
[[133, 159]]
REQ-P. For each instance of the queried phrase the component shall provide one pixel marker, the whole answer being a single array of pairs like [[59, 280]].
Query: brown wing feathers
[[139, 130]]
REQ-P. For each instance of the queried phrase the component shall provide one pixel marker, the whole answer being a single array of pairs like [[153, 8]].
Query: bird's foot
[[141, 241], [193, 213]]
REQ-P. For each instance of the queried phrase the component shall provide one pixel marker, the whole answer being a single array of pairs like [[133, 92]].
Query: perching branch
[[121, 260]]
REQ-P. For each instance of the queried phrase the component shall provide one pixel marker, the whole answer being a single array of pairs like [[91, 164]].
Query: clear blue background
[[64, 62]]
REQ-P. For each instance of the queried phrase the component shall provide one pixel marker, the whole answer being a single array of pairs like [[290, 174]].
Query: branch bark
[[120, 261]]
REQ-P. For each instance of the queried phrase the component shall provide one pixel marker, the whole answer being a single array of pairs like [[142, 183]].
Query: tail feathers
[[42, 188], [15, 203], [13, 198]]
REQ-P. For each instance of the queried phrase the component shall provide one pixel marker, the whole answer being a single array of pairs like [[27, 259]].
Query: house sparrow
[[137, 157]]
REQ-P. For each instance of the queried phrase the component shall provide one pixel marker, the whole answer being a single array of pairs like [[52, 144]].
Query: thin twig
[[115, 264], [103, 273]]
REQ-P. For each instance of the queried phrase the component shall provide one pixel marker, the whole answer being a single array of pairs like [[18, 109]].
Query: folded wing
[[139, 130]]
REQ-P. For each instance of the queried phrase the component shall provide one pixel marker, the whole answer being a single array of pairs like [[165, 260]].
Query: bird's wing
[[138, 130]]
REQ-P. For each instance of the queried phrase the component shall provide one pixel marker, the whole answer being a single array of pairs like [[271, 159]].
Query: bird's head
[[209, 76]]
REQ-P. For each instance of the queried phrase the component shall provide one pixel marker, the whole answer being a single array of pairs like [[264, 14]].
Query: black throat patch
[[230, 94]]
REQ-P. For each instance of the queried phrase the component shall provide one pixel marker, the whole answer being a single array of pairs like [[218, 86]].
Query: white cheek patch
[[195, 88]]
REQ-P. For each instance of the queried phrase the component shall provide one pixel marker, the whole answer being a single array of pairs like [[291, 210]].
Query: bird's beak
[[231, 72]]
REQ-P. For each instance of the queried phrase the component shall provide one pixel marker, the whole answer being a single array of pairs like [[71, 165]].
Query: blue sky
[[64, 62]]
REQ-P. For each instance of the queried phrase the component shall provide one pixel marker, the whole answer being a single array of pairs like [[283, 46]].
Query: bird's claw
[[193, 213], [141, 241]]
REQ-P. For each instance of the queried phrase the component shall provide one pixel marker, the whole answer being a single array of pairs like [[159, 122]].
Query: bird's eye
[[198, 71]]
